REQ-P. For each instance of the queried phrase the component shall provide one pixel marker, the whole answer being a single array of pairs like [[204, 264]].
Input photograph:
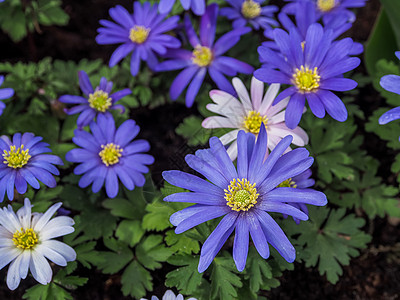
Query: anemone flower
[[197, 6]]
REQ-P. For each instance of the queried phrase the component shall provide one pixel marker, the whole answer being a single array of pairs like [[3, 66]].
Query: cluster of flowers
[[268, 175]]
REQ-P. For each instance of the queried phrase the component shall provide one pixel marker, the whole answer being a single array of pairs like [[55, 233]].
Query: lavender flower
[[206, 57], [142, 33], [243, 196], [4, 94], [197, 6], [98, 101]]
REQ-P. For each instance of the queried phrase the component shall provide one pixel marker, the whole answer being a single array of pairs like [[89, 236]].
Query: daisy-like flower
[[391, 83], [98, 101], [330, 9], [197, 6], [143, 33], [248, 113], [244, 12], [109, 154], [23, 162], [4, 94], [27, 240], [206, 57], [243, 196], [169, 295], [313, 68]]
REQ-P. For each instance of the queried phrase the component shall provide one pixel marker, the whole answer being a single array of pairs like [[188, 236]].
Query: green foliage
[[18, 17], [329, 239]]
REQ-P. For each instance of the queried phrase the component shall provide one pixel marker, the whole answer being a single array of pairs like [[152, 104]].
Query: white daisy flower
[[247, 114], [169, 295], [26, 242]]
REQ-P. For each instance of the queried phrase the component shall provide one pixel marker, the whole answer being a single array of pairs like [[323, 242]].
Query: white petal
[[35, 218], [60, 221], [24, 267], [7, 255], [13, 274], [63, 249], [233, 151], [233, 109], [221, 97], [269, 97], [46, 217], [169, 295], [52, 232], [154, 298], [179, 297], [273, 110], [278, 118], [229, 137], [52, 255], [257, 90], [242, 93], [4, 233], [40, 268], [218, 122], [6, 242], [25, 214], [9, 219], [300, 137]]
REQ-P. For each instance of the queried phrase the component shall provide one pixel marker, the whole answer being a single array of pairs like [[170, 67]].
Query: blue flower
[[142, 33], [98, 101], [391, 83], [330, 9], [197, 6], [243, 196], [23, 163], [109, 154], [4, 94], [205, 57], [313, 68], [249, 11]]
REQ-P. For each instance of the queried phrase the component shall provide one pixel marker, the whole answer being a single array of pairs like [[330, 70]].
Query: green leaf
[[192, 130], [186, 277], [120, 207], [181, 243], [224, 281], [157, 217], [136, 280], [50, 291], [151, 251], [114, 261], [130, 232], [330, 239], [257, 270], [392, 8]]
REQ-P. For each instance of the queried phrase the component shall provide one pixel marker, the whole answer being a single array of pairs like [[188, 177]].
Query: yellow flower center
[[25, 239], [139, 34], [16, 158], [241, 195], [288, 183], [110, 154], [202, 56], [251, 9], [100, 101], [306, 80], [253, 122], [326, 5]]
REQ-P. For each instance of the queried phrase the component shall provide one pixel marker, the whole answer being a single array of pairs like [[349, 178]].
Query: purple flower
[[206, 56], [391, 83], [4, 94], [330, 9], [301, 181], [249, 11], [23, 162], [98, 101], [197, 6], [243, 196], [142, 33], [313, 68], [109, 154]]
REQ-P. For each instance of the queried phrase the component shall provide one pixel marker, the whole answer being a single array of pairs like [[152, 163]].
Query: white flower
[[248, 114], [169, 295], [26, 242]]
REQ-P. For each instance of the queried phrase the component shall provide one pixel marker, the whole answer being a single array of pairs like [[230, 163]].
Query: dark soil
[[373, 275]]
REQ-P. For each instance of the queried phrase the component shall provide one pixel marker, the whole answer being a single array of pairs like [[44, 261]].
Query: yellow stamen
[[241, 195], [306, 80], [100, 101], [326, 5], [202, 56], [288, 183], [25, 239], [253, 122], [139, 34], [16, 158], [251, 9], [110, 154]]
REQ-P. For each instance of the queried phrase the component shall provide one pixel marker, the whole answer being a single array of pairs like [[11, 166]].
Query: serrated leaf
[[136, 280], [120, 207], [130, 232], [151, 251], [181, 243], [50, 291], [257, 270], [157, 217], [114, 261]]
